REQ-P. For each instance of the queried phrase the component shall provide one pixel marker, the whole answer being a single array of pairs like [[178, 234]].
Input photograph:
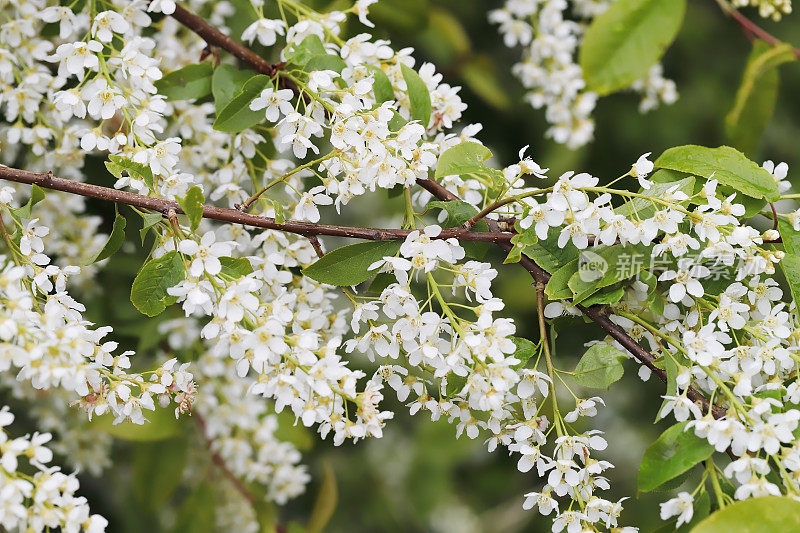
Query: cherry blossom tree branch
[[749, 27], [47, 180], [219, 462]]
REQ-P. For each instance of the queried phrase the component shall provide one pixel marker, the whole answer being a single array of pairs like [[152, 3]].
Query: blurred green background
[[418, 477]]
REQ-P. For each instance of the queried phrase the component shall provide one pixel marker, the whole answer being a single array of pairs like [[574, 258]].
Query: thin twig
[[749, 27]]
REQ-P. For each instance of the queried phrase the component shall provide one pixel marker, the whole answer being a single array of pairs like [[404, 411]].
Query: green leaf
[[546, 253], [192, 81], [727, 165], [757, 515], [118, 164], [158, 470], [525, 350], [149, 290], [462, 158], [396, 122], [455, 384], [557, 288], [790, 264], [235, 267], [197, 513], [301, 53], [604, 266], [237, 115], [37, 195], [192, 205], [148, 221], [226, 83], [599, 367], [418, 96], [382, 86], [790, 237], [325, 62], [623, 43], [643, 208], [114, 241], [609, 297], [672, 454], [755, 100], [348, 265], [161, 424], [326, 501]]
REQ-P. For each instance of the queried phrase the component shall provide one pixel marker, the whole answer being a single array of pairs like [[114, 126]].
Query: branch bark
[[47, 180]]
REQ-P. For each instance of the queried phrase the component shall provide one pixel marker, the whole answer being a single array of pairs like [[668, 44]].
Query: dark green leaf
[[609, 297], [148, 221], [604, 266], [557, 288], [191, 81], [672, 454], [725, 164], [418, 96], [348, 265], [623, 43], [458, 212], [114, 241], [599, 367], [525, 350], [37, 195], [192, 205], [300, 54], [237, 115], [149, 290], [226, 83]]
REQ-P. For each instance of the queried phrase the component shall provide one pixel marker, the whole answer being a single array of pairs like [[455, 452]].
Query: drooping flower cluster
[[37, 497], [549, 69]]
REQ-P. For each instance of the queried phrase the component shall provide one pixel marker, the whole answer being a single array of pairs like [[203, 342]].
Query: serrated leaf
[[604, 266], [525, 350], [237, 115], [755, 99], [192, 206], [118, 164], [114, 241], [462, 158], [418, 96], [623, 43], [672, 454], [226, 83], [189, 82], [348, 265], [37, 195], [757, 515], [382, 86], [235, 267], [148, 221], [725, 164], [149, 290], [599, 367]]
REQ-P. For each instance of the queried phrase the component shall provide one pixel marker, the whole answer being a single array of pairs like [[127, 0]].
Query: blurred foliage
[[419, 477]]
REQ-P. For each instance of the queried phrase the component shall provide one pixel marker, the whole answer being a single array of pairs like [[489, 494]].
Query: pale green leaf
[[757, 515], [623, 43], [525, 350], [192, 205], [235, 267], [37, 195], [462, 158], [382, 86], [599, 367], [226, 83], [326, 501], [161, 424], [237, 115]]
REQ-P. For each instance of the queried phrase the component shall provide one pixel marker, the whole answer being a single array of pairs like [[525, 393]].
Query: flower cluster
[[549, 71], [44, 499]]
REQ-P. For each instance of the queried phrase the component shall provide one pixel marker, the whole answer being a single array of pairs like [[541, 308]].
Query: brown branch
[[219, 462], [48, 181], [749, 27]]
